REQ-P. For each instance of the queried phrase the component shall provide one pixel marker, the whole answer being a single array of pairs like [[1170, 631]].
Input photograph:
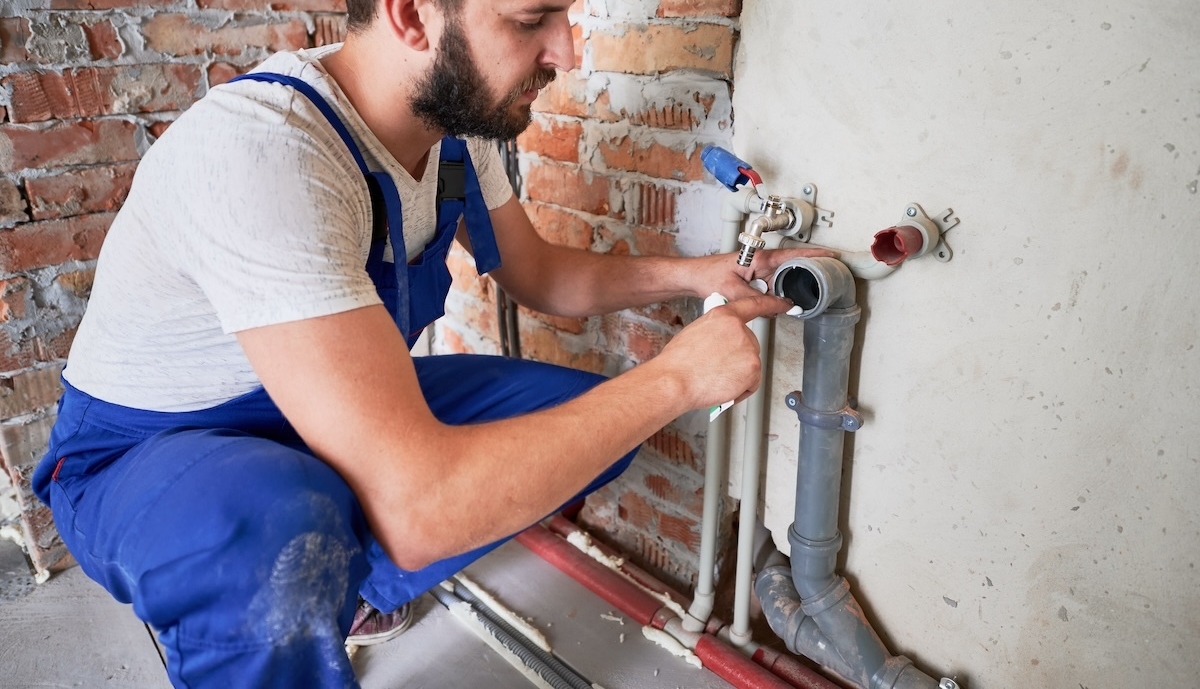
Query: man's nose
[[560, 46]]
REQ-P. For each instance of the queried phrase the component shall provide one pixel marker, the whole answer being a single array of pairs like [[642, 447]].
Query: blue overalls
[[245, 551]]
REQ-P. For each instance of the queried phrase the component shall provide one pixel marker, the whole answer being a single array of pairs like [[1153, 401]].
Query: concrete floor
[[69, 632]]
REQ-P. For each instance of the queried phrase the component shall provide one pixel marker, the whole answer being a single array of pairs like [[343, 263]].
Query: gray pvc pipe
[[522, 650], [815, 611], [560, 668]]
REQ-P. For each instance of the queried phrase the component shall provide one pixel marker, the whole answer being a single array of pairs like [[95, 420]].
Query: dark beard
[[454, 97]]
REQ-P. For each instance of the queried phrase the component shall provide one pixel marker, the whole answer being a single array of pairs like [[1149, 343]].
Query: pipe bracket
[[846, 419]]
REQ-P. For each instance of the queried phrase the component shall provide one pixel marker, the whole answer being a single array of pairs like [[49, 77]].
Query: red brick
[[51, 242], [105, 4], [92, 91], [158, 128], [77, 282], [674, 313], [673, 116], [179, 35], [577, 43], [558, 226], [13, 208], [566, 95], [608, 242], [328, 29], [659, 48], [653, 159], [287, 6], [67, 143], [103, 41], [476, 315], [661, 487], [670, 446], [15, 298], [451, 342], [680, 530], [569, 187], [465, 278], [651, 242], [14, 32], [91, 190], [557, 139], [543, 344], [655, 205], [575, 326], [221, 72], [699, 8], [642, 342], [635, 510], [34, 349], [29, 391]]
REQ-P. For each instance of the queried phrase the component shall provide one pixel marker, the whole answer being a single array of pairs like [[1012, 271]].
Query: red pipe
[[893, 245], [733, 667], [601, 580], [781, 671], [564, 527], [791, 670]]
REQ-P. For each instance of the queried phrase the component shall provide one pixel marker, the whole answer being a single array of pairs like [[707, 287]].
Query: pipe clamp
[[846, 419]]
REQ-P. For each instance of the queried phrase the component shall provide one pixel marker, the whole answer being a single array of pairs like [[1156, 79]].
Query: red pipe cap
[[893, 245]]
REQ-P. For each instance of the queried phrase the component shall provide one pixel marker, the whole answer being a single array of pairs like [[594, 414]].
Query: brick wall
[[85, 88], [612, 164]]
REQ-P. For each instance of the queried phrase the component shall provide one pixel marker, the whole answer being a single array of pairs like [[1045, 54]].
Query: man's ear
[[408, 20]]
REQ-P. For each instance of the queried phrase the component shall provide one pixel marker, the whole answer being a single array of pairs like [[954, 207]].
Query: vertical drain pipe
[[824, 290]]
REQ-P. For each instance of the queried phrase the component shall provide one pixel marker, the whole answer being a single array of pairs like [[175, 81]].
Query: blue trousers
[[244, 551]]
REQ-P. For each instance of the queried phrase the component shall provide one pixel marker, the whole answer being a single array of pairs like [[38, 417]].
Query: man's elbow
[[421, 542]]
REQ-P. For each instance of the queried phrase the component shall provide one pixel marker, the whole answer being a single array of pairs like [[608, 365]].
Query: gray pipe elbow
[[780, 604], [814, 285]]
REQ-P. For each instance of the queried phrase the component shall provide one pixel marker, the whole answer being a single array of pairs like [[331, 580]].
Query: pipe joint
[[837, 591], [846, 418], [813, 563], [889, 673], [814, 285], [741, 203]]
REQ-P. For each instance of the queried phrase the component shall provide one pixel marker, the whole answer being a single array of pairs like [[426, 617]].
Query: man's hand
[[717, 355], [721, 273]]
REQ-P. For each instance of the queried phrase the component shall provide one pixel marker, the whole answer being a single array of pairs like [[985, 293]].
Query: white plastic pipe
[[739, 634], [716, 449], [752, 456]]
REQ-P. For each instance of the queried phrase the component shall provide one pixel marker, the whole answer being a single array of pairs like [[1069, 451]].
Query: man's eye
[[532, 25]]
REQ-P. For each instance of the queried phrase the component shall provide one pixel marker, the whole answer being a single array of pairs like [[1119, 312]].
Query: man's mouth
[[536, 83]]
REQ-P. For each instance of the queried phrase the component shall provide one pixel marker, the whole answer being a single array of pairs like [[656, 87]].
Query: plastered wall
[[1021, 508]]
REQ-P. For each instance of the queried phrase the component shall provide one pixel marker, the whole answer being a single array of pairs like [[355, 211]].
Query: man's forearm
[[427, 502], [580, 283]]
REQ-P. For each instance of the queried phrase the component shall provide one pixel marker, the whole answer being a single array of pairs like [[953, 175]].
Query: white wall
[[1022, 507]]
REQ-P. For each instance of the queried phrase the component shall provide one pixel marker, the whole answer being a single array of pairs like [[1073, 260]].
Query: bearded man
[[245, 449]]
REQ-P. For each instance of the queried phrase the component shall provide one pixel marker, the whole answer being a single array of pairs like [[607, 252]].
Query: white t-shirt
[[249, 211]]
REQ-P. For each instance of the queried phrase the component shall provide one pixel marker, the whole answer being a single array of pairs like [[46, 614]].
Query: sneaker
[[372, 626]]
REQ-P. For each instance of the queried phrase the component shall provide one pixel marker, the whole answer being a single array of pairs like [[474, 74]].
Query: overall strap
[[317, 100], [475, 212], [379, 183]]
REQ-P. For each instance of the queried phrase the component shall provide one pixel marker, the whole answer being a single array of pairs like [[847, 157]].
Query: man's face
[[457, 97]]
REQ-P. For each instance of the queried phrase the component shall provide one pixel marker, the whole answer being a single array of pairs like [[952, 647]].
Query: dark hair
[[360, 13]]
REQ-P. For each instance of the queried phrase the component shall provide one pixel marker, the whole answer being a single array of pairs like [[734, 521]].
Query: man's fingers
[[750, 307]]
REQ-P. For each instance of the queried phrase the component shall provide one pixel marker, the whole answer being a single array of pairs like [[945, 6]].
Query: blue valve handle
[[725, 166]]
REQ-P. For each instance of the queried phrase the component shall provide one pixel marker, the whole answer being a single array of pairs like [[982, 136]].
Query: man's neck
[[384, 107]]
